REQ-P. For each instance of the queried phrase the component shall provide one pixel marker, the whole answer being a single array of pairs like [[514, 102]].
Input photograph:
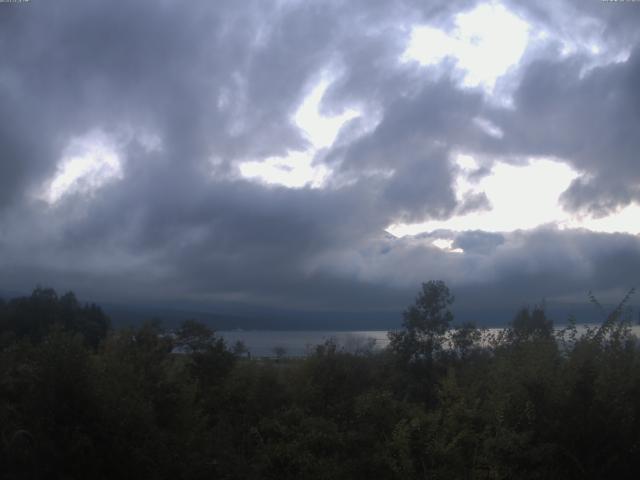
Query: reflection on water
[[295, 343]]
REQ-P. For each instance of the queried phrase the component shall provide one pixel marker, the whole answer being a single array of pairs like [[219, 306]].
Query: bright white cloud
[[466, 162], [521, 197], [446, 245], [88, 163], [296, 169], [485, 43], [624, 220], [320, 130], [293, 171]]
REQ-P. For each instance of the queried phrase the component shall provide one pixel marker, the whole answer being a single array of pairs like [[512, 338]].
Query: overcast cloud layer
[[183, 93]]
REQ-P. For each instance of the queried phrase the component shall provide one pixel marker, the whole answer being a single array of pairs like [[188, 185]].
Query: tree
[[425, 324], [35, 316], [194, 336], [240, 349], [531, 324], [209, 359], [279, 351], [465, 339]]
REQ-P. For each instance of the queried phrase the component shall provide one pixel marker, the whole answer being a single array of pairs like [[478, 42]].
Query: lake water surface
[[296, 343], [262, 343]]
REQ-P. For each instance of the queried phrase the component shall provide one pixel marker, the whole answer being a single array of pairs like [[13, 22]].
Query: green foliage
[[531, 324], [440, 403], [419, 346], [35, 316], [424, 324]]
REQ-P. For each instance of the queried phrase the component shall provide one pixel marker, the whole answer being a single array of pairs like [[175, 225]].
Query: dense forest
[[80, 400]]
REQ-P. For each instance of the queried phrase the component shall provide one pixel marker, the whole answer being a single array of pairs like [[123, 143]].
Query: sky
[[320, 155]]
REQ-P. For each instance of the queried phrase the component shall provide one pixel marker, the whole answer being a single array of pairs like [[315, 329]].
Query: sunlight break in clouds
[[624, 220], [296, 170], [485, 43], [89, 162], [446, 245], [521, 197]]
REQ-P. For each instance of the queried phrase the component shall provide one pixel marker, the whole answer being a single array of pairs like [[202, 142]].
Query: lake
[[296, 343], [262, 343]]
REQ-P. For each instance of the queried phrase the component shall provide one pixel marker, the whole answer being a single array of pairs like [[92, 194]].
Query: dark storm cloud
[[509, 269], [579, 107], [218, 80], [548, 263], [477, 241], [190, 74], [474, 202], [589, 120], [411, 149], [217, 83], [211, 82]]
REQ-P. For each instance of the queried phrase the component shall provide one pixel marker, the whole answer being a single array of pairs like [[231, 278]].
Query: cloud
[[575, 99], [502, 270], [180, 96], [586, 120]]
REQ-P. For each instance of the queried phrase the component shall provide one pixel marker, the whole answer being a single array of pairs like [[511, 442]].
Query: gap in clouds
[[521, 197], [88, 163], [485, 43], [297, 169]]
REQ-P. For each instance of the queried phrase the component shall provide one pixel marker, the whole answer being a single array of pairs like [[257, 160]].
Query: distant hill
[[250, 318], [246, 317]]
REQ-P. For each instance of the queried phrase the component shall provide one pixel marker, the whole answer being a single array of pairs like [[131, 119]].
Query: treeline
[[79, 400]]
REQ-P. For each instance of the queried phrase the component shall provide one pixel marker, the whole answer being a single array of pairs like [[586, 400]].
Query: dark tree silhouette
[[33, 317], [424, 324]]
